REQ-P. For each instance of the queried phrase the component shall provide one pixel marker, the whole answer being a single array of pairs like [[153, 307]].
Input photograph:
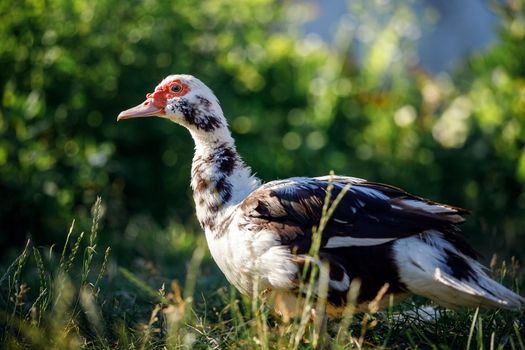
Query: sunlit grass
[[165, 292]]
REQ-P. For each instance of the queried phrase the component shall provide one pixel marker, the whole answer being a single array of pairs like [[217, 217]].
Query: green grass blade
[[472, 327], [64, 249]]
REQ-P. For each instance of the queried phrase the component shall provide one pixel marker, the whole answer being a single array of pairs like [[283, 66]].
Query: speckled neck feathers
[[220, 179]]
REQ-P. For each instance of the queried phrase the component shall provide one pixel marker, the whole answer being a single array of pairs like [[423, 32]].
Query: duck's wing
[[368, 213]]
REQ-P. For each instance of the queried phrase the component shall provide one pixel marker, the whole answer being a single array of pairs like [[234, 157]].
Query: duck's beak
[[145, 109]]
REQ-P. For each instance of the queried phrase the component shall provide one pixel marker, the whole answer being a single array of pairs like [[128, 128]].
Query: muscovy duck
[[393, 242]]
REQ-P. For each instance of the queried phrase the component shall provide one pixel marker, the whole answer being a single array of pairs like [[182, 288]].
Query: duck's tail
[[432, 266]]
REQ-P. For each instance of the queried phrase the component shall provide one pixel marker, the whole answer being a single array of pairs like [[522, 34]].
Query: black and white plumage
[[379, 234]]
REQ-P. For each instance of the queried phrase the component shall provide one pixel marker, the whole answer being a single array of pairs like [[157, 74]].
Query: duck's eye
[[176, 88]]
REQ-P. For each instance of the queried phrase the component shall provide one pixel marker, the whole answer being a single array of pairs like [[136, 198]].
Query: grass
[[159, 289]]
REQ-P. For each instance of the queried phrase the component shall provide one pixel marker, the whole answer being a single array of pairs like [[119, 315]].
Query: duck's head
[[184, 100]]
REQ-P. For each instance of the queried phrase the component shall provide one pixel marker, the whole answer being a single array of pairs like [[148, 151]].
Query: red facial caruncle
[[163, 93]]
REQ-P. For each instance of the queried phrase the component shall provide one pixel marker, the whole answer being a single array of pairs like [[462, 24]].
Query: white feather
[[422, 268], [429, 207], [346, 241], [342, 285], [242, 257]]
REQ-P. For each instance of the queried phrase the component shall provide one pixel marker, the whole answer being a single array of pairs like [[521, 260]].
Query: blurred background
[[428, 96]]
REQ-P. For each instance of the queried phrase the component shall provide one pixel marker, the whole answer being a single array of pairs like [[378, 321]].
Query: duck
[[380, 238]]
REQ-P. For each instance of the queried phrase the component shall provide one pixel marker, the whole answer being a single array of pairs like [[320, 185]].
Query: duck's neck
[[219, 178]]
